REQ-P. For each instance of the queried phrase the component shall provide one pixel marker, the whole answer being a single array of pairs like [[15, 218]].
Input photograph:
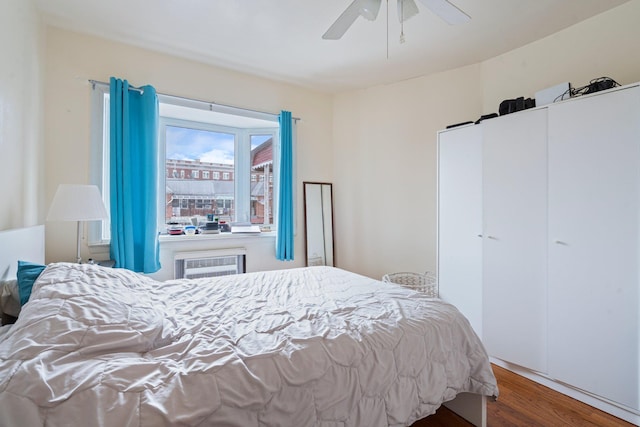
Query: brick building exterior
[[197, 189]]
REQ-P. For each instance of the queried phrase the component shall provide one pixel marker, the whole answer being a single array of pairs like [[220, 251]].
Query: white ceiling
[[281, 39]]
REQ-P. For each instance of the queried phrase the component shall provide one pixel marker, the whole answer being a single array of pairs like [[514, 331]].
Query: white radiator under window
[[211, 263]]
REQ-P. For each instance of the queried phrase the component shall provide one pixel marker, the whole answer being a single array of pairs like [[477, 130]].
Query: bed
[[315, 346]]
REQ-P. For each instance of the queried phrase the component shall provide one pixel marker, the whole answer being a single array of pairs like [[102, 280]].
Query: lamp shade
[[73, 202]]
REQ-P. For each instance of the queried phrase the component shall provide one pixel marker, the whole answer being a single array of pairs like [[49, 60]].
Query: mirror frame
[[329, 211]]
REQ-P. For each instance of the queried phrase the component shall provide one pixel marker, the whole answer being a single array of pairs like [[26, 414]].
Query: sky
[[206, 146]]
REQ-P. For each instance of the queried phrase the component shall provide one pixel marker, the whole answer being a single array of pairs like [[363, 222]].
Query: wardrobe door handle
[[560, 242]]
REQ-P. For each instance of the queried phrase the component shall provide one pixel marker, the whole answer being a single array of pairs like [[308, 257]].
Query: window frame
[[241, 167], [99, 231]]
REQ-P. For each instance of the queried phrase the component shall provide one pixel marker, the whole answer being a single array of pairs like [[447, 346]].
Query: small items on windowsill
[[215, 226]]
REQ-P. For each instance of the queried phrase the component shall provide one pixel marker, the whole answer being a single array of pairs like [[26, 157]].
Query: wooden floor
[[523, 402]]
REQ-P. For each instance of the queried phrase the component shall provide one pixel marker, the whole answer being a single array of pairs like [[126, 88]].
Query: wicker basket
[[426, 282]]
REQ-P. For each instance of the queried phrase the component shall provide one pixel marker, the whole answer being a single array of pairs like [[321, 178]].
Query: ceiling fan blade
[[344, 21], [447, 11], [406, 9]]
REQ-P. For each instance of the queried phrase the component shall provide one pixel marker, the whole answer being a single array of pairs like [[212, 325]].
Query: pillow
[[28, 272]]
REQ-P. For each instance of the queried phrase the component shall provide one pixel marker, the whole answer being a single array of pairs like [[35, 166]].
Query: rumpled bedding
[[315, 346]]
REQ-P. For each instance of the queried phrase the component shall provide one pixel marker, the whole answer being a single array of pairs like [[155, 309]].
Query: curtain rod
[[210, 103]]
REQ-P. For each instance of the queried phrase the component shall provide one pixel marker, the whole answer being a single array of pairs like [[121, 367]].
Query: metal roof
[[208, 189], [200, 188]]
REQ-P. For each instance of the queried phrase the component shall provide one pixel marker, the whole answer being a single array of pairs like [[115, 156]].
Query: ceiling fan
[[406, 9]]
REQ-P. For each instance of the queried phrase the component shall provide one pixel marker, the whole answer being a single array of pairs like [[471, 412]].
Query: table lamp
[[73, 202]]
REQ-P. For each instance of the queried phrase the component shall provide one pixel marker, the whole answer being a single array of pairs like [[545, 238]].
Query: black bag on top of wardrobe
[[512, 105]]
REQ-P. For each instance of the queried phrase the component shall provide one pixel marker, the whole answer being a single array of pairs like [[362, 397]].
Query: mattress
[[316, 346]]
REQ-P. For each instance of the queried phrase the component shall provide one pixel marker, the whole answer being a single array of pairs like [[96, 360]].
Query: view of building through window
[[200, 176]]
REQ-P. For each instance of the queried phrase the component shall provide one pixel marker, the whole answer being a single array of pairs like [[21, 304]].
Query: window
[[223, 141], [213, 147], [222, 151]]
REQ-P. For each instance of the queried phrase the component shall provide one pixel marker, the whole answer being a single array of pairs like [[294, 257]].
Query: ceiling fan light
[[369, 9]]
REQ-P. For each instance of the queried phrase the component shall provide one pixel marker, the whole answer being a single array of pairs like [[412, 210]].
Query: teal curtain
[[133, 177], [284, 237]]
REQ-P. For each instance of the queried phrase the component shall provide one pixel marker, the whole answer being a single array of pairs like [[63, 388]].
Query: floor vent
[[211, 263]]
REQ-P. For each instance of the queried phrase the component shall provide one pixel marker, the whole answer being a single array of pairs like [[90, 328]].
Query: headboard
[[25, 244]]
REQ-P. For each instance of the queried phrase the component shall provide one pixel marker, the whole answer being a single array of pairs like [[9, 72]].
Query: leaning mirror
[[318, 213]]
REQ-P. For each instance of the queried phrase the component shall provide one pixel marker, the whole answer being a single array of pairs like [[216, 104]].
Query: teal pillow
[[28, 272]]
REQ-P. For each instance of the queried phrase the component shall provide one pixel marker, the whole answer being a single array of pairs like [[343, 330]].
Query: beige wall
[[385, 162], [21, 75], [386, 222], [74, 58]]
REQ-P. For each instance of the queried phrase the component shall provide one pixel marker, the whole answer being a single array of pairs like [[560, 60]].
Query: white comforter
[[312, 346]]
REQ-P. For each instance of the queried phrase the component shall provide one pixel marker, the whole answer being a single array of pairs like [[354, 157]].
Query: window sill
[[164, 239]]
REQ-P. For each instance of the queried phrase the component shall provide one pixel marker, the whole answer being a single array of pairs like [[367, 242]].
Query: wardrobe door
[[594, 211], [515, 238], [460, 221]]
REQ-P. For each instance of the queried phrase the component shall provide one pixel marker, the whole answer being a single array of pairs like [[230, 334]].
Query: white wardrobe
[[538, 240]]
